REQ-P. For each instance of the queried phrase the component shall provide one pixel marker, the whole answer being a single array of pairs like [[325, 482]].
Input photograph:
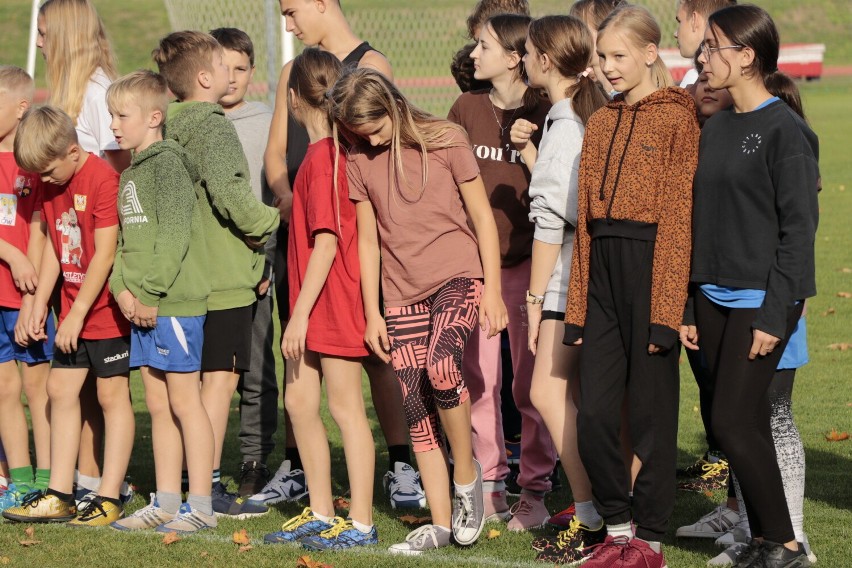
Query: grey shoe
[[469, 511], [418, 541]]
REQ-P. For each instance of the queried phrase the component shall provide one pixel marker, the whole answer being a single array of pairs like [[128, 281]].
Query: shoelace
[[419, 536], [296, 522], [522, 507], [191, 518], [464, 506], [338, 525], [565, 537], [407, 482], [714, 469], [96, 504], [32, 499], [149, 511]]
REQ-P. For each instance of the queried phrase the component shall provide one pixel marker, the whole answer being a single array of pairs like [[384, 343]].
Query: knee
[[542, 399], [157, 404], [296, 406], [113, 395], [10, 389], [61, 394]]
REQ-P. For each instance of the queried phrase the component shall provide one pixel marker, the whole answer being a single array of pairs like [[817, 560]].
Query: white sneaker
[[403, 486], [148, 517], [420, 540], [285, 485], [712, 525], [729, 556]]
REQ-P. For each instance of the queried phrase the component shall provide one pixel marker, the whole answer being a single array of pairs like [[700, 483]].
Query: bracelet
[[534, 299]]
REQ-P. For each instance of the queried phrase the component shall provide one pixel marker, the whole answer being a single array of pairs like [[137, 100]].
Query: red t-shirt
[[72, 212], [336, 324], [20, 197]]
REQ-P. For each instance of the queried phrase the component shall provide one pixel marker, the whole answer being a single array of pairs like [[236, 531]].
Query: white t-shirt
[[690, 78], [93, 131]]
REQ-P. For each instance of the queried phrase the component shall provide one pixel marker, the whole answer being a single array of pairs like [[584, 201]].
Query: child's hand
[[293, 340], [689, 336], [68, 333], [763, 344], [253, 244], [24, 274], [493, 316], [22, 336], [376, 337], [35, 325], [534, 321], [263, 287], [144, 316], [521, 132], [127, 304]]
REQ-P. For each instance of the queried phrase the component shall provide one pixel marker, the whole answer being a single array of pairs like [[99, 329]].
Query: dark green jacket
[[161, 256], [230, 213]]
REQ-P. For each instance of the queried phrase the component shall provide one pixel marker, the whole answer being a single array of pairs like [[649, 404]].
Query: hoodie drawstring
[[620, 163]]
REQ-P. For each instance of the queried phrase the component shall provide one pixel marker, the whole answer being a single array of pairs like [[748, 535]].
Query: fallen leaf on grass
[[341, 503], [412, 520], [708, 493], [493, 533], [844, 294], [245, 548], [695, 409], [4, 560], [241, 537], [835, 436], [307, 562], [30, 540], [170, 538], [203, 554], [828, 312], [840, 346], [846, 270]]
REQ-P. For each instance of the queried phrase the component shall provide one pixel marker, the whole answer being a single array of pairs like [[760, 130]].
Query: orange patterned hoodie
[[635, 181]]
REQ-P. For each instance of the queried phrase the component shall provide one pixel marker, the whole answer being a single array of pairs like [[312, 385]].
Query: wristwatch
[[533, 299]]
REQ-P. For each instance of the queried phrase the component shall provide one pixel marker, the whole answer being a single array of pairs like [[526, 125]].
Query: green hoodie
[[229, 210], [161, 255]]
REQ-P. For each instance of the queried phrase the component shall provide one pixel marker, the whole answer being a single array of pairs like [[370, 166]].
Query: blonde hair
[[144, 88], [639, 25], [75, 47], [312, 75], [365, 95], [593, 12], [45, 134], [15, 80], [181, 56]]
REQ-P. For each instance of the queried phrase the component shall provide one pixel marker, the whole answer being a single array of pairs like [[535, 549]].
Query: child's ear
[[204, 79], [23, 105], [651, 54], [251, 73], [513, 59], [155, 119], [322, 5]]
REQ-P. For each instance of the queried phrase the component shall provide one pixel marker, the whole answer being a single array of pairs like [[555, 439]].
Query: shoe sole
[[421, 504], [41, 520], [697, 534], [241, 516], [406, 552], [498, 517], [526, 529]]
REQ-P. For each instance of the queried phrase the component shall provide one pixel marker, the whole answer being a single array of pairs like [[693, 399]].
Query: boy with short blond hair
[[79, 211], [236, 226], [21, 245], [159, 283], [691, 19], [259, 386]]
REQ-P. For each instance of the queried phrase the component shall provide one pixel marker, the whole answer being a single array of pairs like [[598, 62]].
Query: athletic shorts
[[174, 345], [105, 357], [40, 352], [227, 340]]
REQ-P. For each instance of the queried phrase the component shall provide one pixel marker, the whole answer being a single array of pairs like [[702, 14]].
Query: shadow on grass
[[827, 478]]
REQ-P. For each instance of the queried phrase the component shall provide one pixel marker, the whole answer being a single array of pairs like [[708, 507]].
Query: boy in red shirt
[[92, 334], [21, 245]]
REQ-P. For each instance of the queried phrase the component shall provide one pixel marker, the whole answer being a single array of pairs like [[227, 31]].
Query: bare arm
[[48, 275], [368, 252], [275, 157]]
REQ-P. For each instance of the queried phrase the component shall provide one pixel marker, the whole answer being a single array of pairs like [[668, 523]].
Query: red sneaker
[[609, 554], [639, 554], [562, 519]]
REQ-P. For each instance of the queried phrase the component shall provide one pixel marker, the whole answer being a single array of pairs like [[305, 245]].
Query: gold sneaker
[[97, 512], [39, 507]]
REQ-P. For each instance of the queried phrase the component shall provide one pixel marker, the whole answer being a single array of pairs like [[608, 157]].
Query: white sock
[[323, 518], [624, 529], [587, 514], [361, 526], [88, 482]]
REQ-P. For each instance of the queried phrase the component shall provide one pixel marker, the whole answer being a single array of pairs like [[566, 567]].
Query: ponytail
[[587, 96], [782, 86], [660, 73]]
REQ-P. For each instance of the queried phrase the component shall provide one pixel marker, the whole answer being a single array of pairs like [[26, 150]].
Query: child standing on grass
[[79, 198], [236, 225], [324, 338], [159, 283], [487, 116], [558, 52], [21, 247], [413, 176], [756, 216], [628, 285]]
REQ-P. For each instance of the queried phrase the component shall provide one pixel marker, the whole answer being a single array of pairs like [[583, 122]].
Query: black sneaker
[[776, 555], [231, 505], [253, 477]]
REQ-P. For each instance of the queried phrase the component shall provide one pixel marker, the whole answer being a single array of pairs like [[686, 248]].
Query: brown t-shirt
[[506, 178], [425, 239]]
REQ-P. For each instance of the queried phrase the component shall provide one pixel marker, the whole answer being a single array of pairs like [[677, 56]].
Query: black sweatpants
[[615, 360], [705, 396], [741, 411]]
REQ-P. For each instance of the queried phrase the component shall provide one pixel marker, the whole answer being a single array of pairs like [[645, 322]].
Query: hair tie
[[584, 73], [327, 95]]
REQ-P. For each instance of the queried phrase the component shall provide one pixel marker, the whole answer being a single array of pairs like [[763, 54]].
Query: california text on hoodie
[[161, 255], [229, 211], [649, 199]]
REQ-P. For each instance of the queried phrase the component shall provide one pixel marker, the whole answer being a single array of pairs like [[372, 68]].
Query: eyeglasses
[[707, 50]]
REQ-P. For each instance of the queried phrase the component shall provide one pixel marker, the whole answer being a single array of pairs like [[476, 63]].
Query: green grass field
[[822, 401]]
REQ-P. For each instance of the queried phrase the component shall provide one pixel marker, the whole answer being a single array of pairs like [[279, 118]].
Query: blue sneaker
[[232, 506], [11, 497], [340, 536], [297, 528]]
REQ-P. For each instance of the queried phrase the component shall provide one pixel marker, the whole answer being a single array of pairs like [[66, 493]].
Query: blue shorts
[[41, 352], [173, 346]]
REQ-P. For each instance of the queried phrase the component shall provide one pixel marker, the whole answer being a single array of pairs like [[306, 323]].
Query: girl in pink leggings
[[414, 178]]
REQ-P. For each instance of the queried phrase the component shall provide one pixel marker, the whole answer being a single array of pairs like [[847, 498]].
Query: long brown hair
[[568, 43], [364, 95], [510, 31], [75, 46], [749, 26], [642, 28]]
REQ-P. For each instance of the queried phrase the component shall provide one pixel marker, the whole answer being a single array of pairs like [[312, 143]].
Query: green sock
[[42, 478], [22, 477]]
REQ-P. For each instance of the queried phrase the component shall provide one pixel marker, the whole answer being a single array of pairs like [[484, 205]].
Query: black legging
[[741, 410]]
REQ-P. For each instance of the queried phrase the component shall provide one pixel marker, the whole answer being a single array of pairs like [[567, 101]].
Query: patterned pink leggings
[[427, 344]]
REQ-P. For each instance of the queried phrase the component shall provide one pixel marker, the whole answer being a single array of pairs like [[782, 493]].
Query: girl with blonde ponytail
[[324, 336]]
